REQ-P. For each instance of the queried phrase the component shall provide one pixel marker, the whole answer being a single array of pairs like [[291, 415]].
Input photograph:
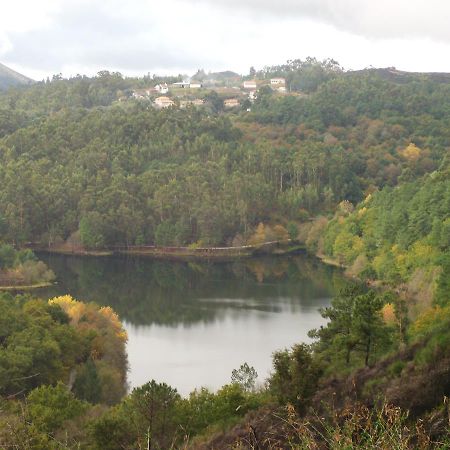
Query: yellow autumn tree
[[106, 339], [280, 232], [411, 153], [388, 313], [259, 236]]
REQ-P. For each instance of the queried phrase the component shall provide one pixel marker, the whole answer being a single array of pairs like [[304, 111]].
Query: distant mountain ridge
[[9, 78]]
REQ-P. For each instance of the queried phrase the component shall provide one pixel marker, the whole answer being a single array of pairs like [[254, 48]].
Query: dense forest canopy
[[399, 235], [43, 342], [75, 160]]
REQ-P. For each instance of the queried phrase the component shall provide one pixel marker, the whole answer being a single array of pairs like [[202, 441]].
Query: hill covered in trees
[[123, 173], [353, 164], [398, 235]]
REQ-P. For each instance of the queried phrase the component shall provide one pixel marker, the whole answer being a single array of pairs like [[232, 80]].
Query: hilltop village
[[234, 91]]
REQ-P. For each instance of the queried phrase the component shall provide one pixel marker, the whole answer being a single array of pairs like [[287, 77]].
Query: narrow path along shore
[[273, 247], [30, 287]]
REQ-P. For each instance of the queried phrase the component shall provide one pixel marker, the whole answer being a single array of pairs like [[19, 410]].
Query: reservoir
[[190, 324]]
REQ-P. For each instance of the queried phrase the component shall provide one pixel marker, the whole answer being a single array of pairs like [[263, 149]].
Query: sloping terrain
[[9, 78]]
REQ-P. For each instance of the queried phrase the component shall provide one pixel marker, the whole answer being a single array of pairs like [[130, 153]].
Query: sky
[[40, 38]]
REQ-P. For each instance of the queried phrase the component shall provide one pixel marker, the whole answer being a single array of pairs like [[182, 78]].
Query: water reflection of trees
[[145, 291]]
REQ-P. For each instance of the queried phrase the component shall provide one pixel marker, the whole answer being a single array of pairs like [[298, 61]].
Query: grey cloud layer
[[99, 37], [370, 18], [140, 36]]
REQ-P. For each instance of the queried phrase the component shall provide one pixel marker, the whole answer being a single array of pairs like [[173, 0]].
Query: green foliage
[[36, 348], [401, 234], [21, 267], [123, 174], [156, 414], [165, 234], [292, 230], [24, 255], [88, 384], [7, 256], [152, 407], [368, 328], [442, 295], [432, 328], [146, 417], [245, 377], [355, 328], [49, 407], [17, 432], [91, 230], [204, 409], [395, 369], [42, 343], [113, 430], [35, 272], [101, 372], [295, 376], [337, 337]]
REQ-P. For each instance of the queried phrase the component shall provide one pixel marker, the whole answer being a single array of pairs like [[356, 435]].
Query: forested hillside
[[398, 235], [121, 173], [354, 165]]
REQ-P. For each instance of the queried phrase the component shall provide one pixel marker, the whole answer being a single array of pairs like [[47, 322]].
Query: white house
[[162, 88], [181, 84], [252, 96], [195, 85], [277, 81], [163, 102], [250, 84]]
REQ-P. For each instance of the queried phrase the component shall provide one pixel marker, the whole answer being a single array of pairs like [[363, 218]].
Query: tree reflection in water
[[144, 291]]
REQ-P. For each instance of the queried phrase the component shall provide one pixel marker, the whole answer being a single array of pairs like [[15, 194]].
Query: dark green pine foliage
[[87, 385]]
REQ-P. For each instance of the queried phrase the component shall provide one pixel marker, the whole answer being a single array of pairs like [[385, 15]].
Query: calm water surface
[[191, 324]]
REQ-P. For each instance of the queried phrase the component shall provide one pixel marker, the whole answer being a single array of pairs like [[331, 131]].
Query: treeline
[[305, 76], [343, 98], [126, 174], [23, 106]]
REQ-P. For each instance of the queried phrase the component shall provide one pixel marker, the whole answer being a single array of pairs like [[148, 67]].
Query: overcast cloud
[[379, 19], [40, 38]]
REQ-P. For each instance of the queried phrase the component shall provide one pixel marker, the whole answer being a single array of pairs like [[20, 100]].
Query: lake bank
[[19, 288], [179, 253]]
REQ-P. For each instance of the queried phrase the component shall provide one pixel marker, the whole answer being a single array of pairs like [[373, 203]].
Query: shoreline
[[183, 253], [26, 287], [329, 261]]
